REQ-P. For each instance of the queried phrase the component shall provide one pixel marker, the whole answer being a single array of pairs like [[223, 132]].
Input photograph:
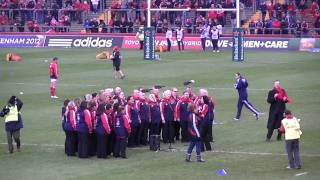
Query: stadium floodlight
[[149, 9]]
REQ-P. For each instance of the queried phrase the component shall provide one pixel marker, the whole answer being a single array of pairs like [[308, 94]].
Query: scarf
[[281, 94]]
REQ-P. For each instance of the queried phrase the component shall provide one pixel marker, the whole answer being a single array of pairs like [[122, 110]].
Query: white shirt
[[215, 34], [169, 34], [205, 32], [179, 34], [219, 27]]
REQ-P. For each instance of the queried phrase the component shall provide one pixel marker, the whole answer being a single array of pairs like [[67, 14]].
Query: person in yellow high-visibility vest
[[13, 121], [290, 126], [140, 36]]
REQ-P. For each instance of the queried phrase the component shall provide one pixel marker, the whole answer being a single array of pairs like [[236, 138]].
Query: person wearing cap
[[13, 121], [215, 38], [140, 37], [116, 59], [277, 98], [290, 126], [53, 73], [241, 85]]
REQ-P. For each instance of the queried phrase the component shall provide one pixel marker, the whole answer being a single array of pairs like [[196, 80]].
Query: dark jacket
[[276, 110]]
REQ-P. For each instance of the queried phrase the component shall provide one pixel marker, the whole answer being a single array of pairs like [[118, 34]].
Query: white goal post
[[237, 9]]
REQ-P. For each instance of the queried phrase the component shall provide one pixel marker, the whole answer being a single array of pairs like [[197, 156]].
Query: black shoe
[[124, 157], [298, 167]]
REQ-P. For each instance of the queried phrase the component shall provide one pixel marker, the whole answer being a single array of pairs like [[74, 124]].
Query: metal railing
[[297, 32]]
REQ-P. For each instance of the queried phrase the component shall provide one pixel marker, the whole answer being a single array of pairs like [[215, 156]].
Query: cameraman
[[11, 113]]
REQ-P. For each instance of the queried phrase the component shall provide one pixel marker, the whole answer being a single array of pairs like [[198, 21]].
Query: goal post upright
[[237, 47]]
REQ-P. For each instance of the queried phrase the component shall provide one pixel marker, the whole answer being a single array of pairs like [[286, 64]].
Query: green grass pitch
[[240, 146]]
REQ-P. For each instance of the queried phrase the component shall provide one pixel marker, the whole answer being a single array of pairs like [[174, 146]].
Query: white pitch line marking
[[300, 174], [183, 150]]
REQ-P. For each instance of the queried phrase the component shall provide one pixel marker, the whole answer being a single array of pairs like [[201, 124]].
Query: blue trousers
[[248, 105], [197, 143]]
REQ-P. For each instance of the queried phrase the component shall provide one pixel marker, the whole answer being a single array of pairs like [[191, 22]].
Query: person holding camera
[[13, 121]]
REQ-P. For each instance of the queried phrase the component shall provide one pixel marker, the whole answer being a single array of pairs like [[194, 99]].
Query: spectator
[[314, 7], [78, 7], [270, 9], [94, 25], [259, 27], [159, 26], [130, 26], [252, 27], [123, 25], [317, 25], [278, 9], [102, 26], [86, 25], [3, 21], [304, 28], [263, 9], [284, 27], [276, 26], [95, 4], [220, 15], [189, 25]]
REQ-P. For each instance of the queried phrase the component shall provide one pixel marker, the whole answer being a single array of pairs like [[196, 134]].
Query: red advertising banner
[[131, 42]]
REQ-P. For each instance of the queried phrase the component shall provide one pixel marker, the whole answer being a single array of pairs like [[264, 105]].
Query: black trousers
[[141, 44], [16, 137], [168, 132], [176, 130], [180, 45], [143, 132], [71, 143], [101, 145], [205, 137], [184, 130], [215, 44], [270, 132], [120, 147], [92, 144], [203, 43], [154, 129], [111, 140], [168, 45], [83, 140], [134, 136]]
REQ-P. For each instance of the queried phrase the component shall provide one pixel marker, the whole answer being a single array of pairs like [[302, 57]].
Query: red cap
[[116, 48]]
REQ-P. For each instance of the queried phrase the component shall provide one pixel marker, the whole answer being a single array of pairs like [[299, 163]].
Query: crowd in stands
[[290, 17], [284, 18], [55, 15]]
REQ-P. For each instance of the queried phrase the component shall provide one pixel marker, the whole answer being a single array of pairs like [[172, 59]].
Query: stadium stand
[[126, 16]]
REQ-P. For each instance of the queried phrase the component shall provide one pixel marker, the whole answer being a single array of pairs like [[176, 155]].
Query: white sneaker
[[236, 119], [54, 97], [218, 51]]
